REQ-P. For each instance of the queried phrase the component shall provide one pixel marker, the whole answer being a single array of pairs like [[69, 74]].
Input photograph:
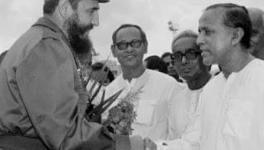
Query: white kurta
[[152, 105], [232, 110], [184, 125]]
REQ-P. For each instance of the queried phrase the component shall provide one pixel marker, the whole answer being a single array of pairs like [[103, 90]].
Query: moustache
[[84, 29]]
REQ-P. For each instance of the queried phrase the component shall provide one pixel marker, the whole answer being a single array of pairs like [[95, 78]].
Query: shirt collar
[[47, 22]]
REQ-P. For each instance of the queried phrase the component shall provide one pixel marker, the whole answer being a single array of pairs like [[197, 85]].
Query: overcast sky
[[152, 15]]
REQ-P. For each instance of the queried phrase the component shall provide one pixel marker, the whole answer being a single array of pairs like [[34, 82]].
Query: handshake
[[134, 143], [138, 143]]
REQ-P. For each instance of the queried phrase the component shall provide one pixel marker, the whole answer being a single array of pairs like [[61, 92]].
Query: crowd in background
[[205, 93]]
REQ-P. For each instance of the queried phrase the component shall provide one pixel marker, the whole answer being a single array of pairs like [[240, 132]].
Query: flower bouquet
[[121, 116], [94, 112]]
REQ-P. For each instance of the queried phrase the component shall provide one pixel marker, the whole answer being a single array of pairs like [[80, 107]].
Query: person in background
[[257, 38], [167, 58], [102, 74], [85, 61], [231, 107], [154, 62], [184, 127], [154, 89], [42, 100]]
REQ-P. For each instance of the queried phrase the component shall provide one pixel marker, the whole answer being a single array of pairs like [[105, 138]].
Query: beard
[[79, 40]]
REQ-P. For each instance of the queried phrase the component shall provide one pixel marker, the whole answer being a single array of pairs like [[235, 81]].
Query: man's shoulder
[[34, 36], [252, 73], [215, 81], [24, 45], [257, 65], [35, 40], [162, 80], [48, 28], [156, 75], [47, 33]]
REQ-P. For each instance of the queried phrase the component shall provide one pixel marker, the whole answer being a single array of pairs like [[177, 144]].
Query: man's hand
[[137, 143], [149, 144]]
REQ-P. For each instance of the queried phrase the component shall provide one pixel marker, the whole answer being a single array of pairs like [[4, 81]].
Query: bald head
[[257, 19]]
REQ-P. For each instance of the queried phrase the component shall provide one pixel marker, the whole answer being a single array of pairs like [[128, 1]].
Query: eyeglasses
[[124, 45], [189, 55]]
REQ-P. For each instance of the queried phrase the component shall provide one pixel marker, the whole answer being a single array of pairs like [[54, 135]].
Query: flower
[[94, 112], [121, 116]]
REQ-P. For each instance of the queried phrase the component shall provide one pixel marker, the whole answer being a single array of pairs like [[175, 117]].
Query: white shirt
[[152, 105], [232, 110], [184, 125]]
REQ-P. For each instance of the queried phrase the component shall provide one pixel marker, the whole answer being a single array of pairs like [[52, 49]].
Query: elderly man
[[184, 127], [155, 89], [257, 38], [42, 99], [231, 103]]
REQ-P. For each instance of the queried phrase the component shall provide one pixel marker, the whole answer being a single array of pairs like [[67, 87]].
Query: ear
[[65, 8], [113, 50], [145, 44], [237, 35]]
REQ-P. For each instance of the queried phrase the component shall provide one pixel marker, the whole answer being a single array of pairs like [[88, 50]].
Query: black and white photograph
[[132, 75]]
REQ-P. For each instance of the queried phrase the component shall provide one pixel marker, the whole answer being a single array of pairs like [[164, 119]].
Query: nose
[[95, 19], [200, 39], [170, 64], [129, 48], [184, 60]]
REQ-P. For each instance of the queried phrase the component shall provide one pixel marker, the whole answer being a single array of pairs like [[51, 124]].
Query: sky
[[152, 15]]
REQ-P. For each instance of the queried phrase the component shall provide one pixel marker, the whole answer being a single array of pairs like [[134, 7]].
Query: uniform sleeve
[[46, 83]]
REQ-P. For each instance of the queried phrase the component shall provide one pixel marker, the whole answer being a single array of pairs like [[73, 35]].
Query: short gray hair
[[184, 34]]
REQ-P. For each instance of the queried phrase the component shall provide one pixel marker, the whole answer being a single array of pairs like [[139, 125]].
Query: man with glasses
[[232, 102], [187, 60], [184, 129], [155, 88]]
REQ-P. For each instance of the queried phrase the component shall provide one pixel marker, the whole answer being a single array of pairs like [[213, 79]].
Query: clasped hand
[[138, 143]]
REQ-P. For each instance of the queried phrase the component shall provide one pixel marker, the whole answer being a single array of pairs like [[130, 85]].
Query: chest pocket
[[145, 111]]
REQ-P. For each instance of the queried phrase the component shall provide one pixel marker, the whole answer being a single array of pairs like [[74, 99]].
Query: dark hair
[[50, 5], [2, 56], [185, 34], [142, 33], [236, 16], [165, 55], [99, 66], [154, 62], [74, 3]]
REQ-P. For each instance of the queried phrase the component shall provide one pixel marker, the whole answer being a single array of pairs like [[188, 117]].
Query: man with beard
[[42, 100]]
